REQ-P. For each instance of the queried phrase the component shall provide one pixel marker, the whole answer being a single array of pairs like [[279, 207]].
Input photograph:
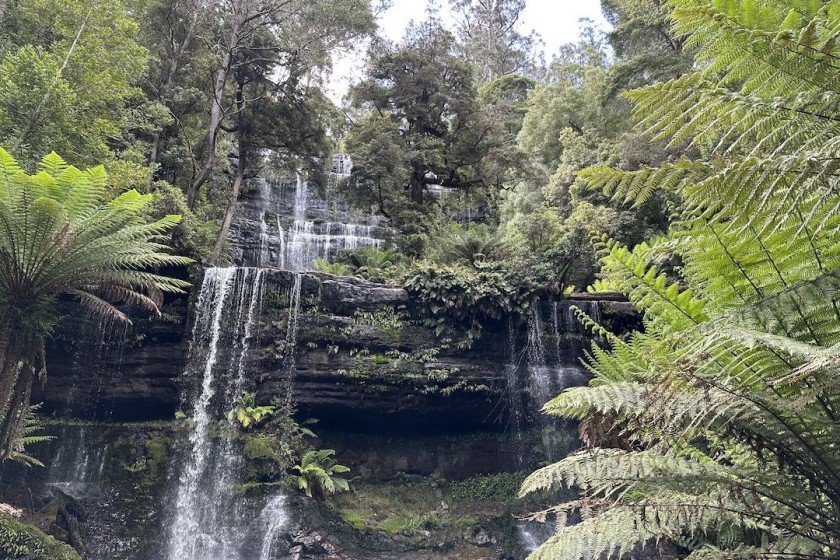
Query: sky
[[556, 21]]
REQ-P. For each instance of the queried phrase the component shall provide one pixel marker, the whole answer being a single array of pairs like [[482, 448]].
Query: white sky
[[556, 21]]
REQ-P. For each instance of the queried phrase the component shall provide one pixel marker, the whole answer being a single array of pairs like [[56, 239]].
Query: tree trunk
[[418, 181], [9, 358], [16, 378], [15, 415], [2, 10], [216, 114], [238, 179]]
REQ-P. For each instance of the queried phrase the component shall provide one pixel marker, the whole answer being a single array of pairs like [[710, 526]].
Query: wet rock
[[481, 538]]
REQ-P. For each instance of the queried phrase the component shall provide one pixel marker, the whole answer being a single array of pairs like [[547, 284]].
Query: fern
[[59, 235], [715, 432]]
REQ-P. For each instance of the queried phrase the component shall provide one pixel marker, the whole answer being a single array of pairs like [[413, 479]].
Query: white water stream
[[208, 522]]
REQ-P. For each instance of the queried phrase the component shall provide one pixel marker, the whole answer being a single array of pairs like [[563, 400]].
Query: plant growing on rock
[[371, 263], [336, 269], [455, 297], [248, 413], [317, 474], [61, 237]]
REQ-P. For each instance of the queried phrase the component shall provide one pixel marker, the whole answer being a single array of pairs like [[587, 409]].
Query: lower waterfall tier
[[107, 489]]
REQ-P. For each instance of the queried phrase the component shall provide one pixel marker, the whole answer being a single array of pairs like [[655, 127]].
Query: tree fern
[[60, 236], [714, 433]]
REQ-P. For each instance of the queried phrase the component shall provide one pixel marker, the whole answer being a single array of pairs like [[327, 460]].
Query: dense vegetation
[[713, 434], [688, 159]]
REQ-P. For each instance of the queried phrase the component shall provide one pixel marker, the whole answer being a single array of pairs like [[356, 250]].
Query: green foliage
[[247, 413], [715, 430], [26, 542], [62, 236], [67, 83], [336, 269], [31, 432], [476, 244], [501, 487], [317, 474], [374, 264], [438, 132], [453, 297]]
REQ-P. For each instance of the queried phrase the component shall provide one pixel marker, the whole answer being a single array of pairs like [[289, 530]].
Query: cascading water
[[207, 522], [547, 379], [308, 240], [304, 237], [516, 411], [77, 466], [274, 518], [550, 373]]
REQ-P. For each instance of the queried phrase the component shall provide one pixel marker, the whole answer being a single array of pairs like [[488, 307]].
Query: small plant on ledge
[[248, 413], [317, 474]]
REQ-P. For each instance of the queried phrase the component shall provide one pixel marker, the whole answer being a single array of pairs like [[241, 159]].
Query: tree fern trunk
[[15, 418], [16, 376], [9, 359]]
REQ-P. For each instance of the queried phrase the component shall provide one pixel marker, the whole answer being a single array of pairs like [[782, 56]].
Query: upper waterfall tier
[[284, 224]]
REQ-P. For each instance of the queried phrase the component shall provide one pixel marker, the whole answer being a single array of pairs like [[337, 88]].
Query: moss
[[395, 525], [19, 540], [381, 359], [501, 487], [157, 449], [354, 518]]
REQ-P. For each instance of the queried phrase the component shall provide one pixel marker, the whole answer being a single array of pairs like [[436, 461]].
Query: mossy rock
[[26, 542]]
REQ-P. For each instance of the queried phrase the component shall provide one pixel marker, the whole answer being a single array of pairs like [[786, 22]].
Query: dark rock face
[[361, 357], [99, 370]]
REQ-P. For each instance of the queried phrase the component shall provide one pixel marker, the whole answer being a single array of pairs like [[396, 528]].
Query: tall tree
[[283, 123], [490, 40], [646, 47], [428, 92], [68, 77], [299, 30], [180, 19]]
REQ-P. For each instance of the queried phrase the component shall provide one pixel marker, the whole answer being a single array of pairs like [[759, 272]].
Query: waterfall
[[77, 466], [307, 240], [536, 349], [517, 411], [281, 250], [274, 519], [301, 199], [300, 230], [206, 522]]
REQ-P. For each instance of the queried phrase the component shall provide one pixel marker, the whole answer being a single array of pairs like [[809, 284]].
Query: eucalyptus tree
[[489, 38], [715, 432], [61, 237]]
